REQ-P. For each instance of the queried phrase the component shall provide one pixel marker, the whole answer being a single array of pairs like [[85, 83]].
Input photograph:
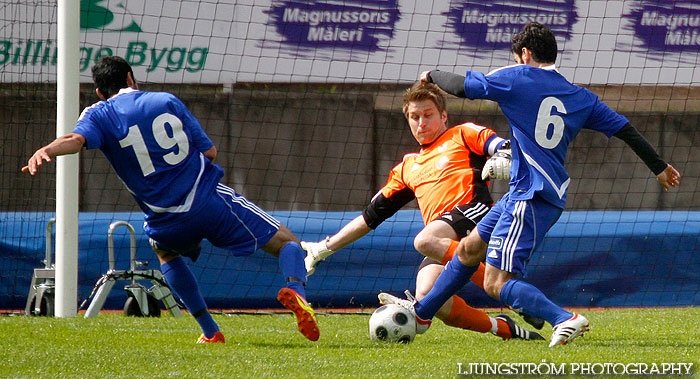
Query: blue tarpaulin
[[588, 259]]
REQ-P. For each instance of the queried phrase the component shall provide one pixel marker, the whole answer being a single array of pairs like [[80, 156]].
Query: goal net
[[303, 100]]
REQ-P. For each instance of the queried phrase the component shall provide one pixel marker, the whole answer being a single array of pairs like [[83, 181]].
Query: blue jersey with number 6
[[545, 112], [155, 145]]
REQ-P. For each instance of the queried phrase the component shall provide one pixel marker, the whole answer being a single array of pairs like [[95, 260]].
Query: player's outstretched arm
[[316, 252], [67, 144], [669, 177], [666, 174], [447, 81]]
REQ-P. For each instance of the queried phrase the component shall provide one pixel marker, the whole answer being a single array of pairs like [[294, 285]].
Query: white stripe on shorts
[[477, 210], [245, 203], [511, 241]]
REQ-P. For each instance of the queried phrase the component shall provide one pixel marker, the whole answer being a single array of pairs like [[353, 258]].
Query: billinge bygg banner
[[356, 41]]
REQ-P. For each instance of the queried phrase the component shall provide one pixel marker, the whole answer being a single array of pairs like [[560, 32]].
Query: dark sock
[[293, 269], [184, 285], [451, 279]]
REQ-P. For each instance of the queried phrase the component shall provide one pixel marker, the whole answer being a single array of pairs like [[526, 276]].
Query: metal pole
[[67, 92]]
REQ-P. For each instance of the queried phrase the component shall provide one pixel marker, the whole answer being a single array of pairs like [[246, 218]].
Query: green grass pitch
[[115, 346]]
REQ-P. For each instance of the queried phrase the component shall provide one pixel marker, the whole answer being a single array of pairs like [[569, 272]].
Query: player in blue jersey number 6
[[545, 113], [164, 157]]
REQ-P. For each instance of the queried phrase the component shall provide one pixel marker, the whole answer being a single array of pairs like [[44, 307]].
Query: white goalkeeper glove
[[498, 166], [315, 253]]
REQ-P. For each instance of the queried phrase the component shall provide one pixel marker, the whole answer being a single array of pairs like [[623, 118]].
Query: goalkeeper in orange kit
[[445, 178]]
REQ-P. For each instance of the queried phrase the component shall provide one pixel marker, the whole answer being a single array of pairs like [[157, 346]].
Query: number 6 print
[[546, 118]]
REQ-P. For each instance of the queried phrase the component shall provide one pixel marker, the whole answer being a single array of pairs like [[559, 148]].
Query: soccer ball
[[392, 323]]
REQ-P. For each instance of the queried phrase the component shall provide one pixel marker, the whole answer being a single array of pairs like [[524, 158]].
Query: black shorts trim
[[463, 218], [428, 261], [191, 252]]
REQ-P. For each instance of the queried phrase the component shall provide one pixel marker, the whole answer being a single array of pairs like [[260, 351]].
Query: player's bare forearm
[[669, 177], [354, 230], [316, 252], [67, 144]]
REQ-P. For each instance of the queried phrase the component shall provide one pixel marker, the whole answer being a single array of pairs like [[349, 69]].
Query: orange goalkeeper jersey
[[443, 175]]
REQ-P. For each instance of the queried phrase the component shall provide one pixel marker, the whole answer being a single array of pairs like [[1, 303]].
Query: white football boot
[[566, 331], [421, 325]]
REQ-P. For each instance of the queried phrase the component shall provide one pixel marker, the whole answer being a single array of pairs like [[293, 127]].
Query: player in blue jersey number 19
[[545, 113], [164, 157]]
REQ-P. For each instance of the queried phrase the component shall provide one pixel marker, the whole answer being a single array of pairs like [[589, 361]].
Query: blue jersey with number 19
[[545, 112], [155, 145]]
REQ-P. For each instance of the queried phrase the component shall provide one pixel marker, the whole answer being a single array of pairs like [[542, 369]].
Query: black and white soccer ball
[[392, 323]]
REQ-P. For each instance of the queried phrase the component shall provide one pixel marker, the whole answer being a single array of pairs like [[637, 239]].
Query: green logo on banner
[[106, 16]]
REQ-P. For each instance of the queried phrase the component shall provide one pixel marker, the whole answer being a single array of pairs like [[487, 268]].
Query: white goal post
[[67, 93]]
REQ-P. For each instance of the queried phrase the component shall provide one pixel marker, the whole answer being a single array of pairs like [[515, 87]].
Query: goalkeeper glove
[[498, 166], [315, 253]]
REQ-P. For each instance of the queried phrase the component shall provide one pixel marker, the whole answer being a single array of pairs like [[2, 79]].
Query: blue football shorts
[[514, 229], [227, 219]]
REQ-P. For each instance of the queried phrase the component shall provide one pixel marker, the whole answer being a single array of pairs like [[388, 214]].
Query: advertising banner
[[644, 42]]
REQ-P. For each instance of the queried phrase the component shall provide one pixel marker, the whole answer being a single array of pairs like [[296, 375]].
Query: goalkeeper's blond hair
[[424, 91]]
